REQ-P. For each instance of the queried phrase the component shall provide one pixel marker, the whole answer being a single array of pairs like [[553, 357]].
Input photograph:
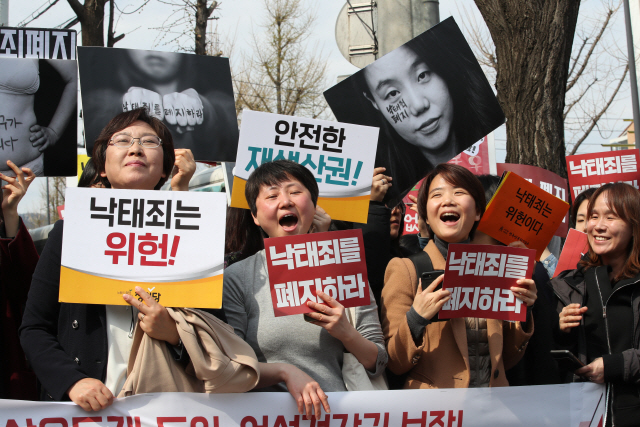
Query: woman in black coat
[[599, 302], [72, 346]]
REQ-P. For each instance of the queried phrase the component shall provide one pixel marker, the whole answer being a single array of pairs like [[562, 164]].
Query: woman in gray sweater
[[304, 358]]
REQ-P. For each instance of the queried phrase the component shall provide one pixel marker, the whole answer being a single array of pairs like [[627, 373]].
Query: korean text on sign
[[138, 248], [37, 43], [480, 277], [520, 210], [595, 169], [546, 180], [340, 155], [169, 243], [327, 169], [300, 266], [520, 218], [140, 213]]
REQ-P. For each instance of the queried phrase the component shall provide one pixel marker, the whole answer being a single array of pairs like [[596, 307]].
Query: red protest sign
[[476, 158], [595, 169], [300, 266], [522, 211], [411, 217], [547, 180], [480, 277], [575, 246]]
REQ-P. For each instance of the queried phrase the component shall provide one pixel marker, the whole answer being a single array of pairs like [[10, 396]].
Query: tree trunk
[[91, 17], [111, 37], [202, 16], [533, 49]]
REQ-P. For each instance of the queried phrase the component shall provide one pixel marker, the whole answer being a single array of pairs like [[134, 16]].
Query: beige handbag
[[220, 361], [353, 373]]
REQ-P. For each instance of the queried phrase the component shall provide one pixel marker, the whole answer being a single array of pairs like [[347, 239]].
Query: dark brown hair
[[458, 177], [242, 236], [624, 200], [90, 175], [123, 121], [584, 196], [275, 172]]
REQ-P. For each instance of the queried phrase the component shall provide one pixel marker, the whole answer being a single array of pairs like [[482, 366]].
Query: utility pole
[[401, 20], [47, 204], [632, 71], [4, 13], [367, 30]]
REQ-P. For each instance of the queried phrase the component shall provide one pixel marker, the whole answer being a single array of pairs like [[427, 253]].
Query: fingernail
[[138, 289], [126, 297]]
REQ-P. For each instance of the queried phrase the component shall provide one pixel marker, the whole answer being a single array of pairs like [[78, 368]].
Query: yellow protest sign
[[169, 243]]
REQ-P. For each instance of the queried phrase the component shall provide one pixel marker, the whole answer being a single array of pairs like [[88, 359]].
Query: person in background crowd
[[298, 356], [536, 367], [423, 230], [18, 258], [578, 213], [381, 234], [80, 351], [577, 220], [598, 302], [240, 242], [90, 176], [452, 200]]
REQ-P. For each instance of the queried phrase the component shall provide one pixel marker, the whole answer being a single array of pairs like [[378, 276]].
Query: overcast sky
[[237, 20]]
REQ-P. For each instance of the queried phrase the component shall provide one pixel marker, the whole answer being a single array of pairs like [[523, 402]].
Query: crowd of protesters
[[81, 352]]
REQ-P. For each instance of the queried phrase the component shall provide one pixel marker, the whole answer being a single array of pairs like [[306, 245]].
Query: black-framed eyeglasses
[[126, 141]]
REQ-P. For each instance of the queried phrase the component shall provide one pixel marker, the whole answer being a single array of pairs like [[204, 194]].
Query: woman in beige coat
[[457, 353]]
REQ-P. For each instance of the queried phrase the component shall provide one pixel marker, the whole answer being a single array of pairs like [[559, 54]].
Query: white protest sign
[[578, 404], [169, 243], [341, 156]]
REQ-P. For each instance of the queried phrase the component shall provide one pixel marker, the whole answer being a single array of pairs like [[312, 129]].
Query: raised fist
[[183, 108], [137, 97]]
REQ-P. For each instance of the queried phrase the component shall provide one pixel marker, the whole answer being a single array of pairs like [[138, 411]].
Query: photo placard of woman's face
[[430, 99]]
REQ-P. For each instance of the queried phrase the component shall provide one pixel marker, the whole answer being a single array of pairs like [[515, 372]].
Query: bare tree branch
[[190, 18], [77, 7], [594, 72], [596, 118], [571, 104], [280, 76], [586, 59], [91, 17], [574, 61]]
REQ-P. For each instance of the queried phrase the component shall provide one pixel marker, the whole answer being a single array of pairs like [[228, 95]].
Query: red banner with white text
[[480, 277], [331, 262]]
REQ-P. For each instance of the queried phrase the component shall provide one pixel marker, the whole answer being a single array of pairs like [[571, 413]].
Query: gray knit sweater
[[289, 339]]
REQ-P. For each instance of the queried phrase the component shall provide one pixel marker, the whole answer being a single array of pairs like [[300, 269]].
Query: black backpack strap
[[422, 263]]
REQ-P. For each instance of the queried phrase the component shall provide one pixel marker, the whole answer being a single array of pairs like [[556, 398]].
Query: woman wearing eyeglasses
[[79, 352]]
